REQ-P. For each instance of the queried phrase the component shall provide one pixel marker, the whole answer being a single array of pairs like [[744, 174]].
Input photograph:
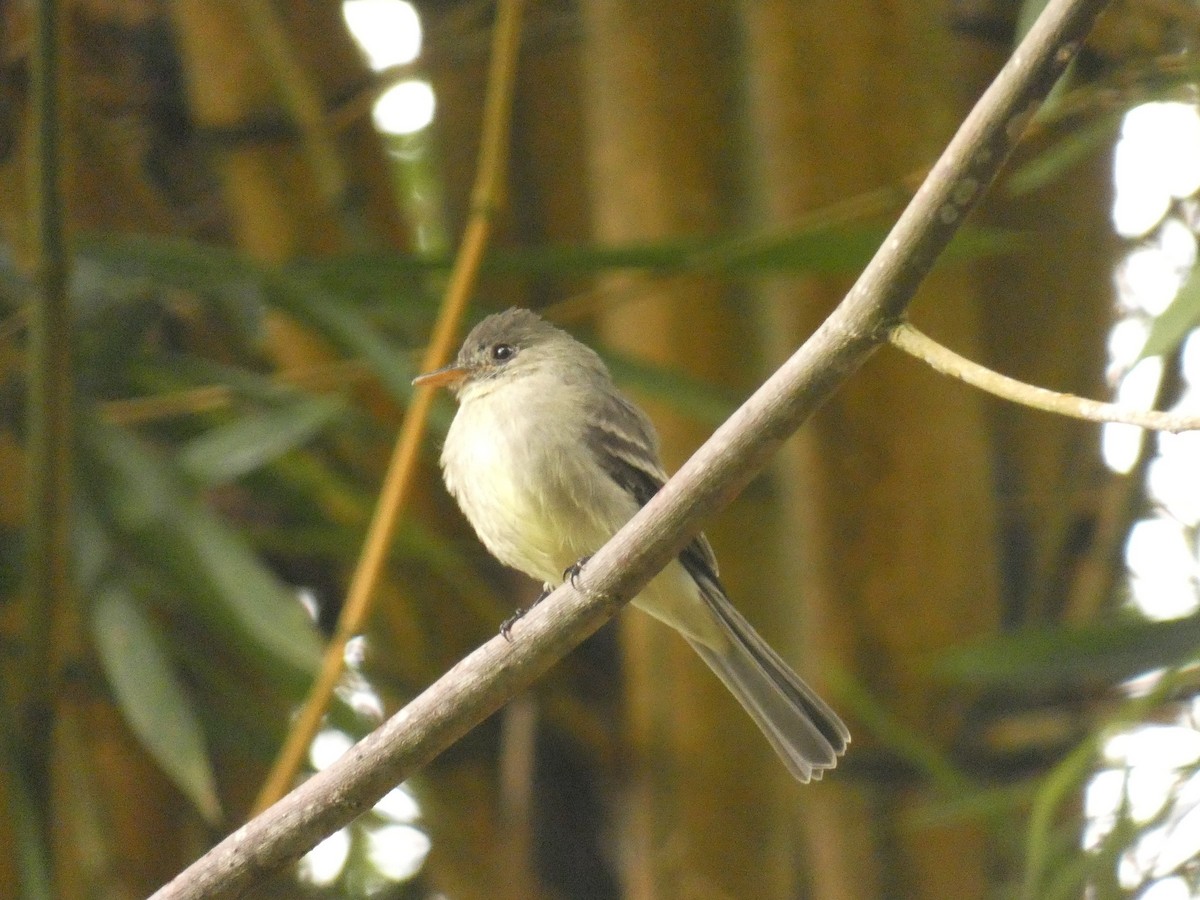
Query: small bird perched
[[548, 460]]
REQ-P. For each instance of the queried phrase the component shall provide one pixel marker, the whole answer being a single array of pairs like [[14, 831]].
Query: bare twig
[[486, 197], [482, 682], [330, 376], [907, 338]]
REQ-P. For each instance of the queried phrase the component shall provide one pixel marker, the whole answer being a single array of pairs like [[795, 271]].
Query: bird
[[547, 459]]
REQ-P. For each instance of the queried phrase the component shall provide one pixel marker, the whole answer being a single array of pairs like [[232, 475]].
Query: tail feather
[[808, 735]]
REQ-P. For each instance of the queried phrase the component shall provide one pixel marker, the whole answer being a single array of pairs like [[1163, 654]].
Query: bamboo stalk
[[485, 200]]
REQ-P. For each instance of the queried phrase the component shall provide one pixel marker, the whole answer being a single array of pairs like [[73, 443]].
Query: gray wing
[[808, 735], [623, 442]]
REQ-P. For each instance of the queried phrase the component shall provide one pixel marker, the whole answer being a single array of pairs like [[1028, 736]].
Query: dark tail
[[808, 735]]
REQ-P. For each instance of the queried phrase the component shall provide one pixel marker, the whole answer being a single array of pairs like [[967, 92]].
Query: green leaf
[[1073, 147], [1176, 321], [228, 452], [1063, 783], [25, 812], [191, 266], [151, 697], [1063, 657], [818, 246], [972, 804], [701, 400], [208, 563], [348, 328], [181, 371], [1027, 14], [824, 248], [93, 552], [12, 562], [906, 742], [165, 260]]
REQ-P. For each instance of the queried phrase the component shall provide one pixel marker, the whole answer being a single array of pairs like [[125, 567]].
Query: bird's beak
[[446, 376]]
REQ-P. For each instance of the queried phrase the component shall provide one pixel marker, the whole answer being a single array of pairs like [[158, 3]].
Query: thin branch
[[337, 375], [907, 338], [486, 198], [483, 681]]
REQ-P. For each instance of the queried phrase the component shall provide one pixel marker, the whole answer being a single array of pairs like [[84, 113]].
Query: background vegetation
[[692, 186]]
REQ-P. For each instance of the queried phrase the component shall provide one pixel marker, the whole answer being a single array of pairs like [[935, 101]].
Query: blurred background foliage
[[256, 263]]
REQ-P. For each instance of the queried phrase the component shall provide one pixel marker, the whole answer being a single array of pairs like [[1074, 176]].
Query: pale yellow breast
[[539, 502], [515, 487]]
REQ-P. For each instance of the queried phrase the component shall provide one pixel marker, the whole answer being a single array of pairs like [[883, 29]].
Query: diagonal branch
[[486, 679]]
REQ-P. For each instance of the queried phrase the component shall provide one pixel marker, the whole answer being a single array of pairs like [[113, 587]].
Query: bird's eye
[[503, 352]]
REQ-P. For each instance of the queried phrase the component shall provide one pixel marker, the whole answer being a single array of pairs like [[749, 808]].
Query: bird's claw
[[506, 626], [571, 572]]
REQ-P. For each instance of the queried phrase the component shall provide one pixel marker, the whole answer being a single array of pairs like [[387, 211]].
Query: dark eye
[[503, 352]]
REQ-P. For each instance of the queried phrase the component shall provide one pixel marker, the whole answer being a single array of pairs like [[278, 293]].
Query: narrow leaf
[[701, 400], [151, 697], [26, 813], [166, 260], [1062, 657], [1177, 320], [1071, 149], [346, 327], [266, 611], [824, 247], [206, 562], [191, 266], [228, 452]]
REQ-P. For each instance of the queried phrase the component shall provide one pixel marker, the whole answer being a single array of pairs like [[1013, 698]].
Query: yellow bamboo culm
[[486, 198]]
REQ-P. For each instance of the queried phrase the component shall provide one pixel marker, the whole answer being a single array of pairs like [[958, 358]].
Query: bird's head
[[512, 344]]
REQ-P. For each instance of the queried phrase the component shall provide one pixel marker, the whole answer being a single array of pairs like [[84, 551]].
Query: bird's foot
[[571, 572], [506, 626]]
